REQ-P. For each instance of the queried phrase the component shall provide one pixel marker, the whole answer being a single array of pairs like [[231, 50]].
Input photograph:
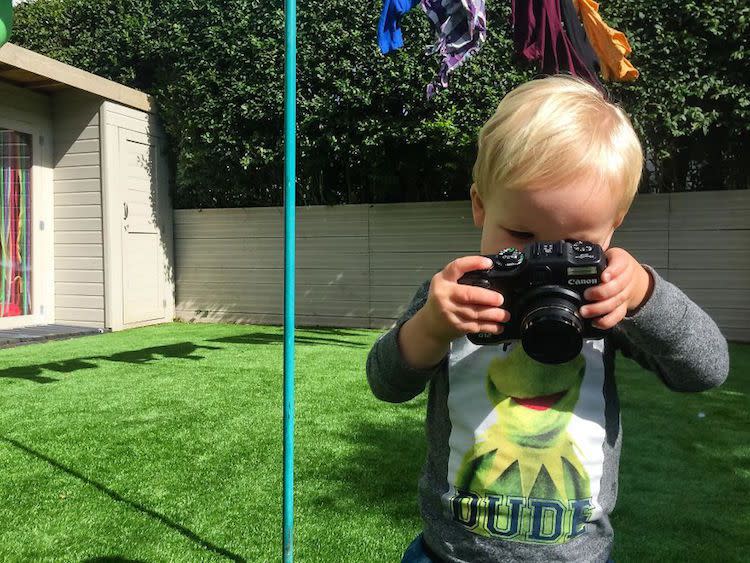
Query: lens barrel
[[552, 329]]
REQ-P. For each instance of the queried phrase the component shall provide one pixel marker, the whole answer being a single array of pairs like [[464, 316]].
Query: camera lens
[[552, 329]]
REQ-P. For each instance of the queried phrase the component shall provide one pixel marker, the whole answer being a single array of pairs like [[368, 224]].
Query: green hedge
[[365, 130]]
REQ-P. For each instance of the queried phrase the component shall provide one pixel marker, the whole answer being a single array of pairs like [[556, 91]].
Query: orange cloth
[[610, 45]]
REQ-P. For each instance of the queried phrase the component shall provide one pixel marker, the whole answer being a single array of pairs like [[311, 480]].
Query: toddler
[[522, 457]]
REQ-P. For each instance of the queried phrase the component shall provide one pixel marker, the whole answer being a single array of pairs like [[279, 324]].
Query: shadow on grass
[[119, 498], [379, 474], [271, 338], [184, 350]]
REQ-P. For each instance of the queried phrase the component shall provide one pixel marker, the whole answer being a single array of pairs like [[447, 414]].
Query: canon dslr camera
[[543, 287]]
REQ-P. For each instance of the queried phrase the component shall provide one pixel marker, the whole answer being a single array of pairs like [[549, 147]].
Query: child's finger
[[473, 295], [611, 319], [604, 307], [613, 270], [477, 326], [606, 290], [616, 264], [460, 266], [483, 314]]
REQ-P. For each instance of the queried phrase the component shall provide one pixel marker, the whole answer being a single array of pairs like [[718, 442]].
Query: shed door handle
[[125, 209]]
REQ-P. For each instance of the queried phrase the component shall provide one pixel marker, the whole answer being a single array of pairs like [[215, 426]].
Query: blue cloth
[[389, 29], [415, 553]]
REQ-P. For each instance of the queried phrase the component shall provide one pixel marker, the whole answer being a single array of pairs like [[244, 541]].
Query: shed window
[[15, 220]]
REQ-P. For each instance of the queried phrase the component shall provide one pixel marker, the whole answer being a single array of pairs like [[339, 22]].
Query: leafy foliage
[[691, 104], [365, 131]]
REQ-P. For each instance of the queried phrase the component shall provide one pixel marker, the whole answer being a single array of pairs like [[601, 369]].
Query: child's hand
[[625, 287], [455, 309]]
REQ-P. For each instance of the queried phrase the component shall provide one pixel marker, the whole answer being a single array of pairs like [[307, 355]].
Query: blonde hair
[[557, 131]]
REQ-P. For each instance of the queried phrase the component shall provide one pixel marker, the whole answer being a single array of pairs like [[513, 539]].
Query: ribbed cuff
[[414, 378]]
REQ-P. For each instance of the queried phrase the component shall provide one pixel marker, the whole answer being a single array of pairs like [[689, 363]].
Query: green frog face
[[534, 401]]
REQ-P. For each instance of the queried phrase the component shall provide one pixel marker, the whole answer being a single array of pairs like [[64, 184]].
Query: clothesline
[[557, 35]]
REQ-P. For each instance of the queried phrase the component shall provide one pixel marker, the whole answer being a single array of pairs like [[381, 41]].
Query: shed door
[[142, 257], [16, 195]]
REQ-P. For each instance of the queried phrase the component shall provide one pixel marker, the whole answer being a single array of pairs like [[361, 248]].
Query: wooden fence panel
[[360, 265]]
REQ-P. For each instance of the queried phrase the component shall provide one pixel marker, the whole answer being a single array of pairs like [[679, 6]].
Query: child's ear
[[477, 207]]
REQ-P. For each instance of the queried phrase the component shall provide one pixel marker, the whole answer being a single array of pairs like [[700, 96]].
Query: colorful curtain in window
[[15, 219]]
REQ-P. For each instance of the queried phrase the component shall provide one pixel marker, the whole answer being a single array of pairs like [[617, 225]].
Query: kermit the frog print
[[524, 477]]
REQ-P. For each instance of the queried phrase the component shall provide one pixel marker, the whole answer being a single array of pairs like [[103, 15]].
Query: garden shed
[[86, 218]]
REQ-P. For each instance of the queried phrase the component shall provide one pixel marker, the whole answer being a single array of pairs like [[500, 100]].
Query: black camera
[[543, 287]]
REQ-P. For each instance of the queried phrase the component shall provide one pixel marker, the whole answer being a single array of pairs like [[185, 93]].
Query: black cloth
[[538, 35], [577, 35]]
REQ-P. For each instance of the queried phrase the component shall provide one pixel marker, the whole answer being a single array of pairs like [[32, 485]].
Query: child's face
[[519, 217]]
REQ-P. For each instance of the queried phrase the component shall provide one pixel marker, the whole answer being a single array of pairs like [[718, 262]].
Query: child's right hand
[[454, 309]]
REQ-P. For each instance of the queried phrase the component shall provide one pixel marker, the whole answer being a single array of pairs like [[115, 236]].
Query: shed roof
[[27, 69]]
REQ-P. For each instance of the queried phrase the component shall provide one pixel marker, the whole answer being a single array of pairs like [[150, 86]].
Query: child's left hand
[[625, 287]]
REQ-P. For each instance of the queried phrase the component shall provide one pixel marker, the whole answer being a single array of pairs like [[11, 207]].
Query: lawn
[[164, 444]]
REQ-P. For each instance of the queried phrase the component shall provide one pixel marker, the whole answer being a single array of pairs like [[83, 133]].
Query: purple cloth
[[460, 28], [538, 35]]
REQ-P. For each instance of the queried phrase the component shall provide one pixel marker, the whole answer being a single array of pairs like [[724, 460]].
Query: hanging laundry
[[610, 45], [577, 35], [538, 35], [389, 26], [460, 28]]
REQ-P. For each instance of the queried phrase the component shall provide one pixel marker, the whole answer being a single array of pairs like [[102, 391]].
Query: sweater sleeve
[[389, 376], [673, 337]]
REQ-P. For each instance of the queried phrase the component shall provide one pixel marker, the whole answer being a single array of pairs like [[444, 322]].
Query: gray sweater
[[522, 457]]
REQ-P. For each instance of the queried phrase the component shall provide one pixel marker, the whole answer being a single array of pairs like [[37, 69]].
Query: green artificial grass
[[164, 444]]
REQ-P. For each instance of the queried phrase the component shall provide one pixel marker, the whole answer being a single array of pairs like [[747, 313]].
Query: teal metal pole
[[290, 138]]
